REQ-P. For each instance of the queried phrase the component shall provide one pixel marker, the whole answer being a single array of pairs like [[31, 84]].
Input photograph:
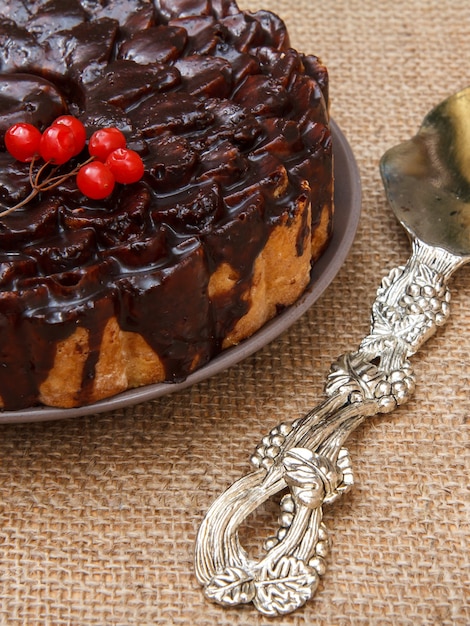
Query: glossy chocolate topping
[[217, 104]]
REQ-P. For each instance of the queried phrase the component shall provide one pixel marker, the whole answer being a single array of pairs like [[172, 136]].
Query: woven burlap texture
[[98, 515]]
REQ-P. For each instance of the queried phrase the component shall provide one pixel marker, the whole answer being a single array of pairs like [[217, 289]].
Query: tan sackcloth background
[[98, 515]]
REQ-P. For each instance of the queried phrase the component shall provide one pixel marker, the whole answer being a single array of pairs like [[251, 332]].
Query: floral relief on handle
[[308, 458]]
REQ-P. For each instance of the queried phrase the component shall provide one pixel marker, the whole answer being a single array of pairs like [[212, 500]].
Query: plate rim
[[348, 196]]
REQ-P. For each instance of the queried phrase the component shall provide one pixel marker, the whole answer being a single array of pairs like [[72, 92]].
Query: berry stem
[[29, 197], [35, 181], [49, 182], [52, 181], [34, 192]]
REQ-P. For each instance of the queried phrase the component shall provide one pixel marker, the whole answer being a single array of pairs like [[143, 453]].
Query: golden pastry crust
[[63, 385], [270, 288]]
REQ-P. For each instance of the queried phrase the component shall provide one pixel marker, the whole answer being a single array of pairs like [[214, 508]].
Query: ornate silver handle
[[308, 456]]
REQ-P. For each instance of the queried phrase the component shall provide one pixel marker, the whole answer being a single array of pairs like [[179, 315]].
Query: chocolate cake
[[235, 204]]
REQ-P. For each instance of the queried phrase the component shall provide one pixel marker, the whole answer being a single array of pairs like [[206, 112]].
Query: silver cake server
[[427, 183]]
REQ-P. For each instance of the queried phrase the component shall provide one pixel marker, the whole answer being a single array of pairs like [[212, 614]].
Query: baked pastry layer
[[234, 207]]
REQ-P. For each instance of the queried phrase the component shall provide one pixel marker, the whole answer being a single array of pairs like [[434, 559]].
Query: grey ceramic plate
[[347, 212]]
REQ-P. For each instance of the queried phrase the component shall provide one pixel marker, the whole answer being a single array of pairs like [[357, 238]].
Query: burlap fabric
[[98, 515]]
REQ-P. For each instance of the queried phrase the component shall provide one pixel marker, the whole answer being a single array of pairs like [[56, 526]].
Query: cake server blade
[[427, 183]]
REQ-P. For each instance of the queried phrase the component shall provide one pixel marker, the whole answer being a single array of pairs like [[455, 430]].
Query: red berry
[[57, 144], [77, 128], [22, 141], [105, 141], [95, 180], [126, 165]]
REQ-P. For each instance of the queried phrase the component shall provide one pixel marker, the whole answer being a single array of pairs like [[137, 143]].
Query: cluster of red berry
[[110, 161]]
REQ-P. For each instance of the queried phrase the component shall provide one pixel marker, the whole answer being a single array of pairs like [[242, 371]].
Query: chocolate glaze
[[217, 104]]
